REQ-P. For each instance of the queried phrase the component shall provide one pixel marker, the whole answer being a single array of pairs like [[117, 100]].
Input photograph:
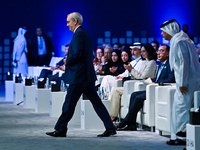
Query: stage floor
[[23, 129]]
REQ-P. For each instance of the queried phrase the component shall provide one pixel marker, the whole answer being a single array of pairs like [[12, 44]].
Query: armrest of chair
[[99, 80], [118, 83], [150, 103], [60, 72], [140, 86], [129, 87], [196, 99]]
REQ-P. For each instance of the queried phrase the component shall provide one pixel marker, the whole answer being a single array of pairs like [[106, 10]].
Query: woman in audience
[[114, 66], [148, 70], [97, 59], [108, 81]]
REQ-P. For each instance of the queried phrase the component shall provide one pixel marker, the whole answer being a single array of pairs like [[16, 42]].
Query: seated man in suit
[[59, 66], [163, 74]]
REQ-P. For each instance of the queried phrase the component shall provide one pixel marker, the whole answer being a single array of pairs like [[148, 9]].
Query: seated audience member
[[108, 81], [116, 46], [164, 74], [115, 65], [147, 70], [97, 59], [155, 45], [104, 45], [185, 29], [104, 60], [198, 50], [45, 73]]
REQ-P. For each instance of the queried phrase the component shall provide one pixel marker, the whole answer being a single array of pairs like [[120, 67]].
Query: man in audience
[[116, 46], [155, 45], [118, 91], [163, 74], [185, 29], [59, 66], [137, 62], [41, 49], [184, 61], [104, 60]]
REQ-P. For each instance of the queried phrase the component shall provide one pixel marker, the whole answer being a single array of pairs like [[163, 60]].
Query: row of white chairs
[[157, 108]]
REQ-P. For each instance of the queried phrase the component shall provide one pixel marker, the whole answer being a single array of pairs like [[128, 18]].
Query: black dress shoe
[[128, 128], [181, 134], [120, 125], [56, 134], [108, 133]]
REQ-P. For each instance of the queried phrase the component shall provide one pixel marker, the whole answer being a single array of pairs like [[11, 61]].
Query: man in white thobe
[[184, 61], [19, 53]]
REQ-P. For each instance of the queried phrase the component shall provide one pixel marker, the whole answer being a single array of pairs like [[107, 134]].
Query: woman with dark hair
[[126, 56], [97, 59], [148, 70], [107, 83]]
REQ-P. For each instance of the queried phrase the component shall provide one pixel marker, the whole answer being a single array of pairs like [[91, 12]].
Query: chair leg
[[160, 133], [141, 117], [140, 125], [152, 129]]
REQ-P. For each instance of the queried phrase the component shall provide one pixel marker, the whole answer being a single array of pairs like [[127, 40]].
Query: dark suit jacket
[[34, 50], [79, 66], [166, 76]]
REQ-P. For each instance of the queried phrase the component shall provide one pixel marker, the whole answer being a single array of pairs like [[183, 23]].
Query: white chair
[[164, 96], [146, 116], [118, 83], [128, 89], [99, 80], [196, 99]]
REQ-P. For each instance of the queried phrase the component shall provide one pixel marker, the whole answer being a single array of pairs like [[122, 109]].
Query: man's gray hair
[[76, 15]]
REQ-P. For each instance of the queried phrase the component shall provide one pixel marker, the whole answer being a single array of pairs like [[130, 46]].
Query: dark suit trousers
[[45, 73], [136, 103], [73, 94]]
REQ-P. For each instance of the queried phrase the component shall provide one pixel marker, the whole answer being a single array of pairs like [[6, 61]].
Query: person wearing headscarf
[[184, 61], [114, 66], [19, 53], [107, 83]]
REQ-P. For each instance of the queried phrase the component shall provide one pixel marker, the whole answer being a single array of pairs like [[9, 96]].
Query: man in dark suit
[[47, 73], [163, 74], [41, 50], [80, 76]]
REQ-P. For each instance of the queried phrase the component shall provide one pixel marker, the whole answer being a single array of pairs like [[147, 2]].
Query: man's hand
[[54, 68], [183, 90], [62, 68], [103, 59], [128, 67], [65, 61]]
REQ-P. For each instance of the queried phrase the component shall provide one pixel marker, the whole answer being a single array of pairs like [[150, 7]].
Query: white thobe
[[184, 61], [19, 53]]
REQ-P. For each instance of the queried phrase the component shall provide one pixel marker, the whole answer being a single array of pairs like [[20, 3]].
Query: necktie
[[159, 71], [41, 43]]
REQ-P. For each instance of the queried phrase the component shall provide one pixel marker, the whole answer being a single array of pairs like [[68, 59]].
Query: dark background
[[142, 17]]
